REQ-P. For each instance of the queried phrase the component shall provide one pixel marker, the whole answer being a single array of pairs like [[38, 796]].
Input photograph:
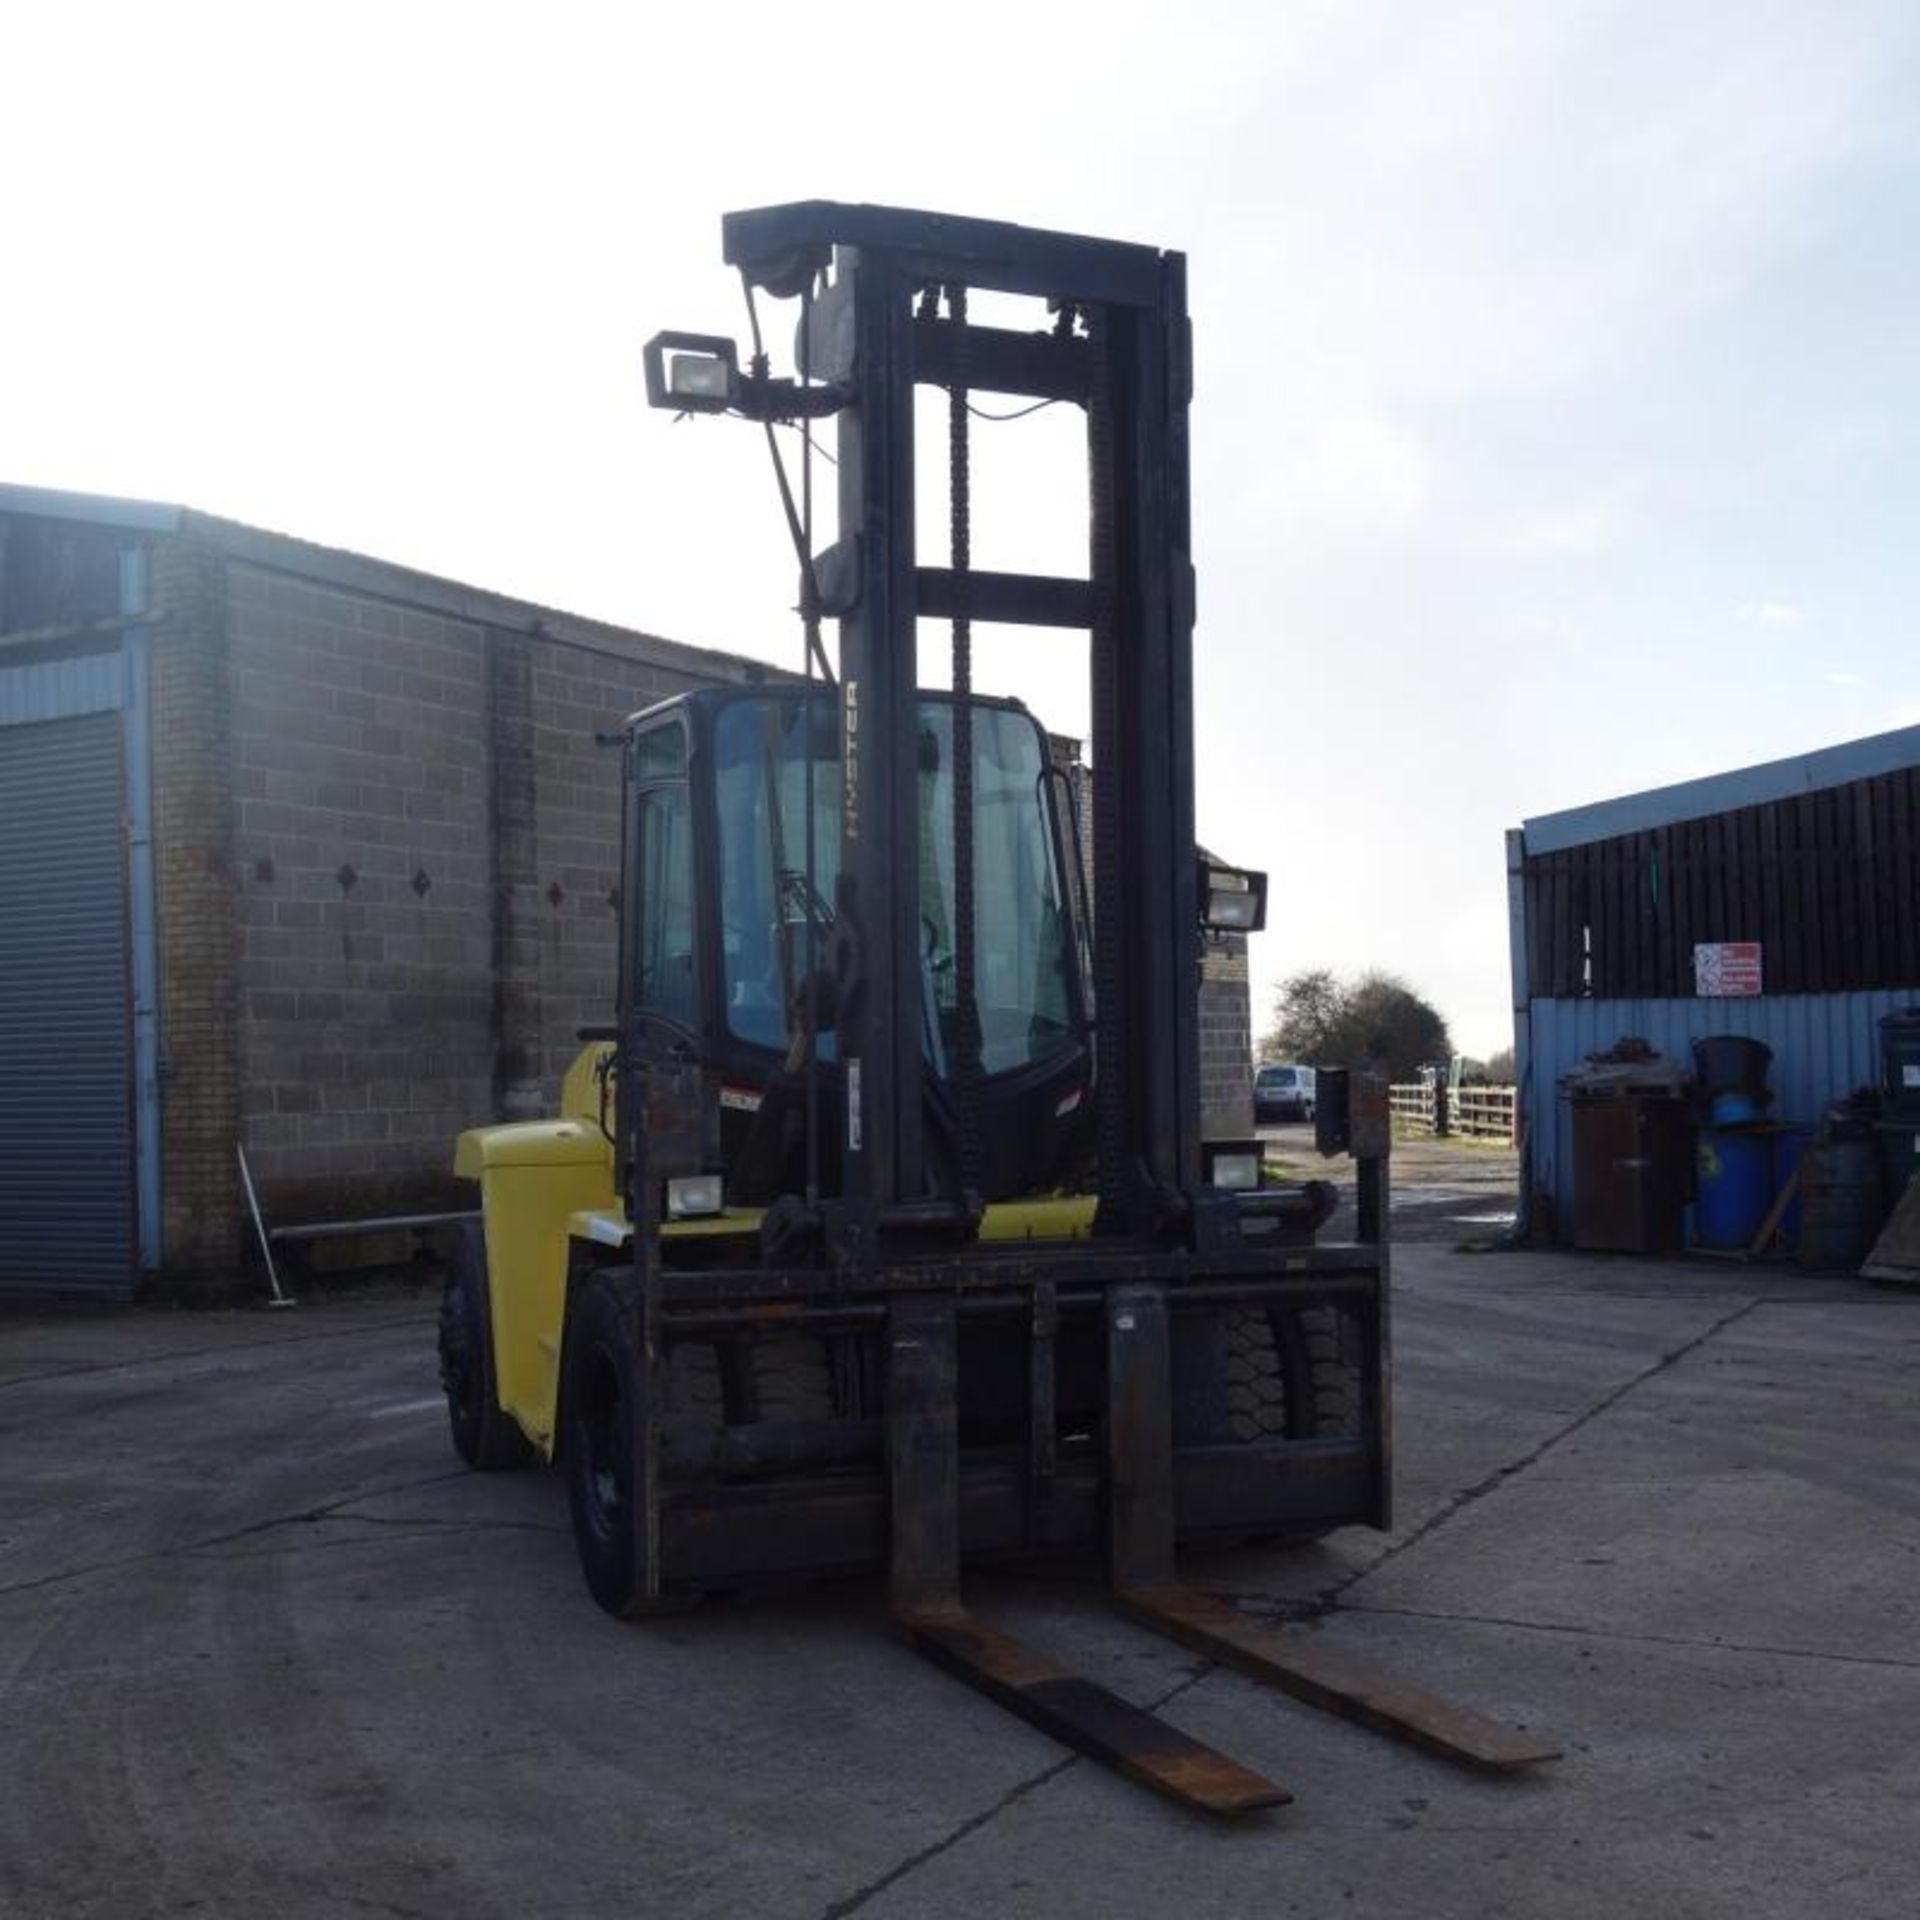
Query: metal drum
[[1840, 1203], [1732, 1186]]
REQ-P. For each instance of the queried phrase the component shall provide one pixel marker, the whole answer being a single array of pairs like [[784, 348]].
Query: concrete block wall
[[363, 890], [1226, 1041], [386, 855], [426, 855], [1225, 1013], [194, 881]]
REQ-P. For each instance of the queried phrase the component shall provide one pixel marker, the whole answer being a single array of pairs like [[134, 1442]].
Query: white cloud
[[1767, 613], [1366, 470], [1574, 531]]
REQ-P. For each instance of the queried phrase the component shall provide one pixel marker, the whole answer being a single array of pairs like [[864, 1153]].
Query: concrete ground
[[1448, 1192], [265, 1649]]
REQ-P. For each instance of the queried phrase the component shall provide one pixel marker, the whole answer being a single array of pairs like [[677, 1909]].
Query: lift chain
[[966, 1010]]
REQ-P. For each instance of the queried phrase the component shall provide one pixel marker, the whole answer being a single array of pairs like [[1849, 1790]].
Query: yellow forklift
[[878, 1229]]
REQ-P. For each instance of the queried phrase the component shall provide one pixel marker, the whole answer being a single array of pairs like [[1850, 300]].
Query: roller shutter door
[[66, 1126]]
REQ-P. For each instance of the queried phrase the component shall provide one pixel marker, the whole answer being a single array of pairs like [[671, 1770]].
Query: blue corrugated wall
[[1823, 1045]]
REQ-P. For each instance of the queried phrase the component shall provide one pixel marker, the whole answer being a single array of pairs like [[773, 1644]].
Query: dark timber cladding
[[1827, 881]]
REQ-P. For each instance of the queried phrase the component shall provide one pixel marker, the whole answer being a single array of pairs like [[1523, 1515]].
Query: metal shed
[[1806, 871]]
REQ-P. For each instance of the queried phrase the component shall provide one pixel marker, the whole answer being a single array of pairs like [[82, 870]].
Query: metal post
[[279, 1298], [879, 882], [1139, 1437], [1144, 880], [923, 1450]]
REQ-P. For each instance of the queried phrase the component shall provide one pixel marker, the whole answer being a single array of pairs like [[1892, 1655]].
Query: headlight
[[1234, 1165], [694, 1195]]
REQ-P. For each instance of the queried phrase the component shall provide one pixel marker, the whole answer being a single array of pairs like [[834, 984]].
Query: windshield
[[1021, 948]]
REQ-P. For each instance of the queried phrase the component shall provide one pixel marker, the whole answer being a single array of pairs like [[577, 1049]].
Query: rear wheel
[[603, 1389], [484, 1434]]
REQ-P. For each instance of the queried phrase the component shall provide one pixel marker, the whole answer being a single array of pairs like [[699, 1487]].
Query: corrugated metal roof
[[390, 580], [1721, 792], [1824, 1045], [148, 516]]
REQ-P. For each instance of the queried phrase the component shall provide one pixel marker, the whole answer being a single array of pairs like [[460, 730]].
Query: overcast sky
[[1555, 426]]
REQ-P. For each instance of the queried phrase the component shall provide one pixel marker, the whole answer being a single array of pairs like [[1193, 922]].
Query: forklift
[[878, 1230]]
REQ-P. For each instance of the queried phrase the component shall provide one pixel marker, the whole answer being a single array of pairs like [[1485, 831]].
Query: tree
[[1305, 1013], [1322, 1020]]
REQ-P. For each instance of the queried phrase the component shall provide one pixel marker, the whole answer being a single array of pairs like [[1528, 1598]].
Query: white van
[[1283, 1093]]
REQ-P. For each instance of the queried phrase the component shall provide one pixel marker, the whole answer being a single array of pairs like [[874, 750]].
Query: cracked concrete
[[264, 1650]]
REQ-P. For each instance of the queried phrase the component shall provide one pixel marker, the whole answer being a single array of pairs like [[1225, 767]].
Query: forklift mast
[[884, 309]]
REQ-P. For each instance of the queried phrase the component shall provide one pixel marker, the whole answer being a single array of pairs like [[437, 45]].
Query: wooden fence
[[1464, 1113]]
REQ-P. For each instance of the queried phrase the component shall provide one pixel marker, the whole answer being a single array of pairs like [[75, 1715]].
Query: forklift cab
[[736, 806]]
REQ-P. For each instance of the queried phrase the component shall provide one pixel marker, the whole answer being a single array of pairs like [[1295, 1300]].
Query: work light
[[691, 372], [1233, 899], [1232, 1164]]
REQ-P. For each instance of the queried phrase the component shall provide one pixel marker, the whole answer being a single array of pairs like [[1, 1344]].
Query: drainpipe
[[142, 903]]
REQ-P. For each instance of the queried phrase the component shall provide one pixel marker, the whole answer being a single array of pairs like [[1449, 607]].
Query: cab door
[[660, 972]]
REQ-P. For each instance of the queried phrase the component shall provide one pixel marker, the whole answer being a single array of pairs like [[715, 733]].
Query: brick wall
[[1225, 1011], [386, 852], [363, 891], [194, 881], [426, 846], [1226, 1041]]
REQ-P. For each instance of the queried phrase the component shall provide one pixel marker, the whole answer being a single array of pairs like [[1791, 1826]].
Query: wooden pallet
[[1896, 1254]]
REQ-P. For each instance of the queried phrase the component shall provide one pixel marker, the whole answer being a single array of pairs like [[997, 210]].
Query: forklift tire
[[485, 1435], [696, 1388], [1256, 1383], [1295, 1375], [602, 1379], [1330, 1340], [793, 1377]]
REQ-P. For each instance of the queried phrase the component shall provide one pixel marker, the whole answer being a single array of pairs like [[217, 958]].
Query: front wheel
[[603, 1397], [485, 1435]]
